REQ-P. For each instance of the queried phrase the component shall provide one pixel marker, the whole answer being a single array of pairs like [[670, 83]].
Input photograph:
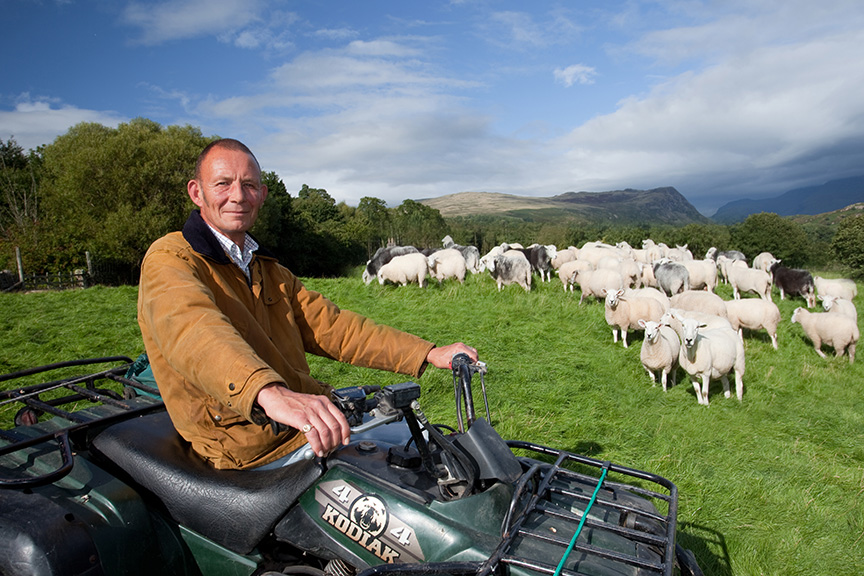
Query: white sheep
[[659, 352], [624, 313], [700, 301], [834, 330], [840, 287], [703, 274], [749, 280], [649, 292], [404, 269], [563, 256], [839, 306], [598, 282], [764, 261], [447, 263], [754, 314], [568, 270], [709, 354], [673, 316]]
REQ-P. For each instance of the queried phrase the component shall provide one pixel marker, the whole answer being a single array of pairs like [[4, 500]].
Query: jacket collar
[[201, 239]]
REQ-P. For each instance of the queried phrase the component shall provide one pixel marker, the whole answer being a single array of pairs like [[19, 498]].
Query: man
[[226, 328]]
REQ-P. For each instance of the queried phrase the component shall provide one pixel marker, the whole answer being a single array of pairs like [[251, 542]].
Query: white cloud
[[180, 19], [575, 74], [35, 122]]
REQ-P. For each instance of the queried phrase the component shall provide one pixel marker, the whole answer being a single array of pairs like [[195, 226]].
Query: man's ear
[[194, 190]]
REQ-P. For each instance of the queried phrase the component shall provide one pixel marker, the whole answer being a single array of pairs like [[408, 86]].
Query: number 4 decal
[[343, 492], [403, 534]]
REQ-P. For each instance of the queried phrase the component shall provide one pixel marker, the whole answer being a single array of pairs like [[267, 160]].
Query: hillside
[[658, 206], [833, 195]]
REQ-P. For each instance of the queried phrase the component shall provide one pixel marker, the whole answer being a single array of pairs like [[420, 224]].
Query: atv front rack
[[539, 533], [104, 407]]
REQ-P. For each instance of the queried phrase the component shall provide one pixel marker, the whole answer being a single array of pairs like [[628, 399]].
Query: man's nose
[[236, 193]]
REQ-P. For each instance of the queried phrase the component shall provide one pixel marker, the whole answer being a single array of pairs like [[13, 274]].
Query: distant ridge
[[832, 195], [658, 206]]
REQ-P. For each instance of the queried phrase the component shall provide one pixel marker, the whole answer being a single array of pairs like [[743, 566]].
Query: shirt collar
[[242, 258]]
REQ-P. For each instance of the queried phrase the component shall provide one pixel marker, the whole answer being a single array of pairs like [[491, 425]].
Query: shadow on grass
[[709, 547]]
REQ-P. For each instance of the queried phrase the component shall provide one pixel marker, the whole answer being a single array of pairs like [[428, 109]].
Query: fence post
[[89, 263], [20, 265]]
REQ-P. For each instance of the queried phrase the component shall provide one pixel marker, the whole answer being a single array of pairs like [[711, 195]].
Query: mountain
[[827, 197], [657, 206]]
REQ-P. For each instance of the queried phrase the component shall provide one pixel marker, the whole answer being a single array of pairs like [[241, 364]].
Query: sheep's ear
[[702, 325], [641, 322], [821, 299], [603, 292]]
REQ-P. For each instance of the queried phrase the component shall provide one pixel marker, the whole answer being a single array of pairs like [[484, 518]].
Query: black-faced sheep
[[794, 282]]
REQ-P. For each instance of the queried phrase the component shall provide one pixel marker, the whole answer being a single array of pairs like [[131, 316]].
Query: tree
[[768, 232], [848, 243], [19, 200], [114, 191], [416, 224]]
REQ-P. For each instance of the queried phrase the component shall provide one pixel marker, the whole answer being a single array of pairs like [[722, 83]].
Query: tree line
[[112, 191]]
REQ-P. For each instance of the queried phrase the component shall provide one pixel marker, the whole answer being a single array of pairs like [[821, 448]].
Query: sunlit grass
[[773, 485]]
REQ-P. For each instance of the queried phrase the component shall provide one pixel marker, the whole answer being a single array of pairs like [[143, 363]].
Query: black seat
[[234, 508]]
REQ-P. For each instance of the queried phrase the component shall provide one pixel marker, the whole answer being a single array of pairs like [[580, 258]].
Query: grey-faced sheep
[[671, 277], [511, 267], [794, 282], [624, 313], [711, 354], [839, 306], [745, 280], [754, 314], [447, 263], [840, 287], [404, 269], [834, 330], [660, 349], [700, 301]]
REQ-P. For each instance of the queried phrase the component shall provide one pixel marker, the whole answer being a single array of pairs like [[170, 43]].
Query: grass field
[[773, 485]]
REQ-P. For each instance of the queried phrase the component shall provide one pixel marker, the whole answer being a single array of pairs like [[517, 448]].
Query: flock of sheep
[[662, 291]]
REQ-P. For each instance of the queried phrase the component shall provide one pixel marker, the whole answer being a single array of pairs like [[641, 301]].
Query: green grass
[[773, 485]]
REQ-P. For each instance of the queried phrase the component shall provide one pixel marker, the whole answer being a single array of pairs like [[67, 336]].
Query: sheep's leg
[[615, 335], [706, 380], [851, 350], [651, 375], [817, 345], [774, 340], [624, 336], [739, 386], [725, 380], [663, 374]]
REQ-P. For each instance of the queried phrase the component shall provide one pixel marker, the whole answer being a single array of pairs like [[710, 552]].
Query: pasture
[[773, 485]]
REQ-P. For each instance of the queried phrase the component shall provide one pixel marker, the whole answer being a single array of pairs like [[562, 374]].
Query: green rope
[[582, 521]]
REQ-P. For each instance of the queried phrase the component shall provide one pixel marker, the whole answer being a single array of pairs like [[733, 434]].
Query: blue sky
[[396, 99]]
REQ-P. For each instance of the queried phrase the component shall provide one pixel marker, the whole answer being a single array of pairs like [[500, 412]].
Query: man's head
[[227, 188]]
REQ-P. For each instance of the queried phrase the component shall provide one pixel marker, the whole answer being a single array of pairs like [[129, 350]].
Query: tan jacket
[[215, 340]]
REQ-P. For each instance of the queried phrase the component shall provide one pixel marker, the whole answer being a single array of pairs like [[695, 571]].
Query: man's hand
[[315, 416], [440, 357]]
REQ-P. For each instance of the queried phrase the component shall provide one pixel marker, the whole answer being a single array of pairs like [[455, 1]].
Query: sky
[[393, 99]]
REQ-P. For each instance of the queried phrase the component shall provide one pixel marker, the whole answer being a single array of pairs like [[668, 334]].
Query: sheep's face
[[612, 298], [652, 330], [828, 302], [690, 332], [796, 315]]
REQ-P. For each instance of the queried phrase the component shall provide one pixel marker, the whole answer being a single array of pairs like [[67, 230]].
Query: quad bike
[[95, 480]]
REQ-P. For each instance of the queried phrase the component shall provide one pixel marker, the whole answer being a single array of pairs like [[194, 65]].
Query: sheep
[[724, 264], [564, 256], [382, 256], [597, 282], [794, 282], [835, 330], [673, 316], [623, 313], [709, 354], [679, 254], [511, 267], [749, 280], [754, 314], [839, 306], [764, 261], [660, 349], [470, 253], [700, 301], [567, 272], [404, 269], [702, 274], [652, 251], [715, 254], [840, 287], [447, 263], [649, 292], [671, 277]]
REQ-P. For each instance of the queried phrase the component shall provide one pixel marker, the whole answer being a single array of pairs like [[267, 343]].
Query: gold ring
[[306, 428]]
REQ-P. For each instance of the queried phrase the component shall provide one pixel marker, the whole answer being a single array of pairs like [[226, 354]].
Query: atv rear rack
[[550, 500], [107, 407]]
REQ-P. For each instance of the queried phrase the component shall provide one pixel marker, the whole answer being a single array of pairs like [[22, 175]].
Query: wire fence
[[98, 271]]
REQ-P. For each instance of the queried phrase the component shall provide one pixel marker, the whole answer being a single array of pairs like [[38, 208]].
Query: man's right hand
[[323, 424]]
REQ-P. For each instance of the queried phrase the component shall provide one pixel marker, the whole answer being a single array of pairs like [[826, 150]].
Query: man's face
[[229, 192]]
